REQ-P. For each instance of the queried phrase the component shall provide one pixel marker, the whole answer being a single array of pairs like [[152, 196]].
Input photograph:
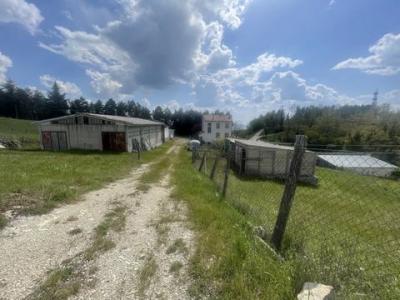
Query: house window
[[227, 125], [217, 135], [218, 125], [209, 127], [226, 134]]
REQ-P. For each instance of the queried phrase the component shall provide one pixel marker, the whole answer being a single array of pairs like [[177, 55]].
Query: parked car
[[193, 145]]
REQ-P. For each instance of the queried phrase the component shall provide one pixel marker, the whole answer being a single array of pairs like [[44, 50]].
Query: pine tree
[[110, 108], [57, 104]]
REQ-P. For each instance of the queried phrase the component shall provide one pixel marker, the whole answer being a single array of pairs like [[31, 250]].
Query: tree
[[57, 104], [79, 106], [122, 109], [98, 107], [110, 108], [158, 114]]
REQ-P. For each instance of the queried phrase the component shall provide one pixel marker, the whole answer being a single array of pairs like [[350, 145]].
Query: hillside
[[23, 132]]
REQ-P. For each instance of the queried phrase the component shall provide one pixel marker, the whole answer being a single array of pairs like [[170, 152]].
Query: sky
[[247, 57]]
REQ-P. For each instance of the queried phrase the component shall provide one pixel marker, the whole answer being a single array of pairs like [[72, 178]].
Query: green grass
[[23, 131], [178, 246], [175, 267], [34, 182], [146, 274], [60, 284], [344, 232], [154, 174], [114, 220], [228, 262]]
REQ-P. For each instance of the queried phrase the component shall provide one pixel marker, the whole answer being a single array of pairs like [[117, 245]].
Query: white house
[[216, 127]]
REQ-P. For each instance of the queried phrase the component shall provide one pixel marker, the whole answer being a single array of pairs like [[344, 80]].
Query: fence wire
[[344, 226]]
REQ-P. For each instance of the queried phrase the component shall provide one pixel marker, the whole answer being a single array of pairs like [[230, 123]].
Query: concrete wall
[[148, 136]]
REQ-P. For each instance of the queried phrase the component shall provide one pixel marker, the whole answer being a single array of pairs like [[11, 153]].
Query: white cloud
[[70, 89], [5, 64], [103, 83], [154, 44], [384, 59], [22, 12], [172, 105], [234, 85], [332, 2]]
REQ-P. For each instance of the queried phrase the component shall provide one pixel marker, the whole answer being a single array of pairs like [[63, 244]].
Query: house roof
[[217, 118], [119, 119], [355, 161]]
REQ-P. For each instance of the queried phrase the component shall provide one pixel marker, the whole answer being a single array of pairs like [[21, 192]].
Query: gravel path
[[31, 246], [119, 270]]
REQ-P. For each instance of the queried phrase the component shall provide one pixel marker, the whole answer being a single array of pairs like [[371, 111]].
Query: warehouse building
[[257, 158], [361, 164], [101, 132]]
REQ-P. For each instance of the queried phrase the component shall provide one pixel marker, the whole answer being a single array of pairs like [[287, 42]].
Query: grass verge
[[34, 182], [228, 262]]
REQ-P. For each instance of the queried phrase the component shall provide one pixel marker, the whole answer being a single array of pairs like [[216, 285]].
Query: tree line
[[20, 103], [331, 125]]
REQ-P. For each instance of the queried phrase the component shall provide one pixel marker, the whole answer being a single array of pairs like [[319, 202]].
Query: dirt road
[[147, 257]]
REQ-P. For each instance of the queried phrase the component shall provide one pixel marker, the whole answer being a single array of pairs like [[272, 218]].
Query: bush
[[396, 174]]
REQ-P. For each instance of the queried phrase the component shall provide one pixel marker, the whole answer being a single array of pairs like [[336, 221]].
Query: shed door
[[114, 141], [54, 140]]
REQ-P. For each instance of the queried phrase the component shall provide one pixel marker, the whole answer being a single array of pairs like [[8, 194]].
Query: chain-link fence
[[343, 228]]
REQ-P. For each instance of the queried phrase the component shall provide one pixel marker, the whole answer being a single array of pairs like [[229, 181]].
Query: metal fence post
[[202, 161], [226, 175], [289, 192], [214, 167], [193, 155]]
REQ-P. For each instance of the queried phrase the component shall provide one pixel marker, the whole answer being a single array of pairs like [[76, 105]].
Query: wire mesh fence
[[343, 228]]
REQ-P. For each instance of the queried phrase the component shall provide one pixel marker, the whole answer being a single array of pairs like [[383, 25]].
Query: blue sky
[[242, 56]]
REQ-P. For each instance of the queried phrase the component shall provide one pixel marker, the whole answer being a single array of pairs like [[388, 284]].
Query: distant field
[[24, 131], [34, 181], [345, 232]]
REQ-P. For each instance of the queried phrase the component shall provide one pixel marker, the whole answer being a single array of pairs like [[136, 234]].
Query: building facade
[[100, 132], [216, 127]]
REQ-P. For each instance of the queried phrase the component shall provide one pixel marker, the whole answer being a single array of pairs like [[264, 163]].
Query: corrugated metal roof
[[129, 120], [262, 144], [126, 120], [217, 118], [355, 161]]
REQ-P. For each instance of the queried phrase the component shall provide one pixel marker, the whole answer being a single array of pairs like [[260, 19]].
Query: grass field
[[229, 263], [34, 181], [345, 232], [23, 131]]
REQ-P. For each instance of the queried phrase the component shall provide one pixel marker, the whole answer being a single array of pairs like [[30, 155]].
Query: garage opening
[[114, 141], [54, 140]]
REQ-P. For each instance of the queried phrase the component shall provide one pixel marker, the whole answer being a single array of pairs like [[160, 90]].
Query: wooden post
[[193, 155], [289, 192], [226, 175], [202, 161], [214, 167]]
